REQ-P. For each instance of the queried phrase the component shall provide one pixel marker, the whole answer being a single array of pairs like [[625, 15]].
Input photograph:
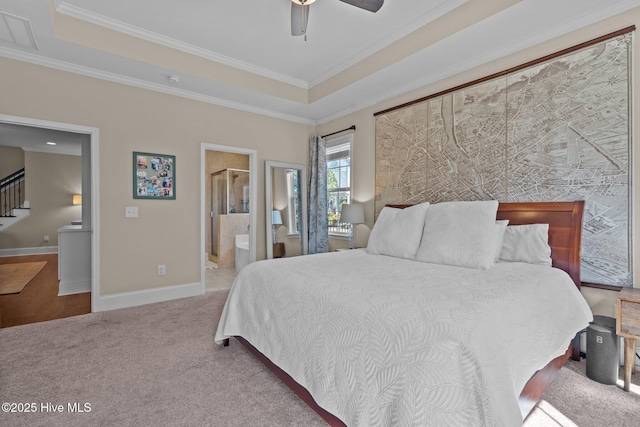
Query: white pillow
[[527, 243], [459, 233], [500, 228], [397, 232]]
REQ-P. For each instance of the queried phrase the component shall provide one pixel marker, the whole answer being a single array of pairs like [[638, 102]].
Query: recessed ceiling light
[[51, 143]]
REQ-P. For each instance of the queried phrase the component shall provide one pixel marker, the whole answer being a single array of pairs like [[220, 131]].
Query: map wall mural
[[555, 131]]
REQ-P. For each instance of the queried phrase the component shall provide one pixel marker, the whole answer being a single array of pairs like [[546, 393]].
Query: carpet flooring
[[157, 365], [575, 400]]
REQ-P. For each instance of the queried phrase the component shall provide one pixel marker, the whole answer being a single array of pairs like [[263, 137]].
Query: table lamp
[[276, 220], [352, 214]]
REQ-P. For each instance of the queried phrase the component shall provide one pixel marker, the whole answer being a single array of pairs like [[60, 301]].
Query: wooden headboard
[[565, 228]]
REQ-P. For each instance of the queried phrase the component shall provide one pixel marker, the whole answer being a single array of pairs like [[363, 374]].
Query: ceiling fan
[[300, 12]]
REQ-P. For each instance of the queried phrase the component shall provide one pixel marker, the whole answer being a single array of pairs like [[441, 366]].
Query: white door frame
[[95, 195], [253, 195]]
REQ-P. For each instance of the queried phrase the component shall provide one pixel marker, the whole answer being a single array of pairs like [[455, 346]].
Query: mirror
[[286, 209]]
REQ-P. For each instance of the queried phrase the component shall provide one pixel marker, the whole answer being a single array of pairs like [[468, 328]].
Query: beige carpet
[[157, 365], [14, 277], [575, 400]]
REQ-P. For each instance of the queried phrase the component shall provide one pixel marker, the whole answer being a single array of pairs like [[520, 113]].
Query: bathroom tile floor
[[219, 278]]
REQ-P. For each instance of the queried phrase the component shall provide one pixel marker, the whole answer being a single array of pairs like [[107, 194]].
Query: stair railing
[[11, 193]]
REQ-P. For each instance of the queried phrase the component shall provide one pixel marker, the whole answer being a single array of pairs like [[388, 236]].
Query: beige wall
[[363, 162], [50, 182], [131, 119], [11, 160]]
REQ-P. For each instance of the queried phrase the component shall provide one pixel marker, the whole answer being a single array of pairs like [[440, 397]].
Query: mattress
[[383, 341]]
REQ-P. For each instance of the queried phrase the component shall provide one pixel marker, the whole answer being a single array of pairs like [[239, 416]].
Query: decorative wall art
[[557, 129], [154, 176]]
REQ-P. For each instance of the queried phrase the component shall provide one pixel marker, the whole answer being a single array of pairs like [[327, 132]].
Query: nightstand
[[628, 326], [278, 250]]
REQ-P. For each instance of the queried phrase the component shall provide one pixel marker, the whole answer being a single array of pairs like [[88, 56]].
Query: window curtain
[[318, 220]]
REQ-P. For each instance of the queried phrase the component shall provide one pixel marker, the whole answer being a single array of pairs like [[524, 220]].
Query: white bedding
[[383, 341]]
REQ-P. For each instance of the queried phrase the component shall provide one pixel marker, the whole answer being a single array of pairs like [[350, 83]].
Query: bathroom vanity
[[74, 260]]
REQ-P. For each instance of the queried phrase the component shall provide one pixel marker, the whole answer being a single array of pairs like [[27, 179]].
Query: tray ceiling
[[240, 53]]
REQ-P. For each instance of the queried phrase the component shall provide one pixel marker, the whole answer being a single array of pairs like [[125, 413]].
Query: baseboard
[[70, 288], [29, 251], [148, 296]]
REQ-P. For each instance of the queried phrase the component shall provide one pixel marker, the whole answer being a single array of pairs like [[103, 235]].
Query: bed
[[366, 339]]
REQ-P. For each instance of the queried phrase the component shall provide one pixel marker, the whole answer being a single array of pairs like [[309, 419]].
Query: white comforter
[[382, 341]]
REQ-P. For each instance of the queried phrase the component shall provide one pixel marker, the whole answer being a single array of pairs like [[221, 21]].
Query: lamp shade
[[77, 199], [276, 217], [352, 214]]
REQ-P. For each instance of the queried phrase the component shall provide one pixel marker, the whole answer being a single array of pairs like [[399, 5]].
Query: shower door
[[229, 195], [218, 206]]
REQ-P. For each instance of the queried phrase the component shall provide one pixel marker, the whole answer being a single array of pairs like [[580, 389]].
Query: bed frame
[[565, 232]]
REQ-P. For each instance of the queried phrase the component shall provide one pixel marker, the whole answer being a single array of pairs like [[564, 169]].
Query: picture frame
[[154, 176]]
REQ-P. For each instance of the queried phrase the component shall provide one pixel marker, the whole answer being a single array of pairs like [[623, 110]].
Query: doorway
[[228, 213], [87, 147]]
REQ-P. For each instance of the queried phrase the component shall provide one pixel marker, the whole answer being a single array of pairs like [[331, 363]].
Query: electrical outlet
[[46, 238], [162, 269]]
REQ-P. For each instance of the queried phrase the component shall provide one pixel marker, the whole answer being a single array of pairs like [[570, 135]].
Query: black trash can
[[603, 360]]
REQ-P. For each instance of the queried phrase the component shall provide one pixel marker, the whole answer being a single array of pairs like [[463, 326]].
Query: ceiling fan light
[[303, 2]]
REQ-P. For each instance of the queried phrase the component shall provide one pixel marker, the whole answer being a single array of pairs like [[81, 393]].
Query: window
[[338, 182]]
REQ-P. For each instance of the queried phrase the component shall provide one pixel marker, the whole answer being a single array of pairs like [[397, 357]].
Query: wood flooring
[[39, 300]]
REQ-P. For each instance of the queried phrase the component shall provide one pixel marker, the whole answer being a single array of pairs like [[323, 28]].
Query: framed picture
[[154, 176]]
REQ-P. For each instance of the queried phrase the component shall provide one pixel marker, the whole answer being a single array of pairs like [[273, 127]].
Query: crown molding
[[578, 22], [131, 30], [116, 78]]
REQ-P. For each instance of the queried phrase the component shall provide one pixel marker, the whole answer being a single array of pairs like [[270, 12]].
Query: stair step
[[17, 215]]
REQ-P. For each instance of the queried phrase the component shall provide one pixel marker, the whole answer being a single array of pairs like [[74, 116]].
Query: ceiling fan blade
[[299, 19], [370, 5]]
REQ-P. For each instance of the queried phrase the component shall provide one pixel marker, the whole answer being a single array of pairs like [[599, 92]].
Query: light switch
[[131, 212]]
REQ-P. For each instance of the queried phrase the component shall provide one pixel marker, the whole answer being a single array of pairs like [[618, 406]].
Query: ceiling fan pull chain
[[304, 14]]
